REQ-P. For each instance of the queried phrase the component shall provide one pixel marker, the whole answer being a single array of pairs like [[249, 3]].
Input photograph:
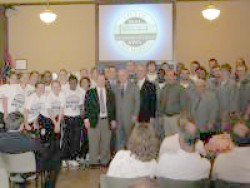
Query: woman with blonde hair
[[139, 160]]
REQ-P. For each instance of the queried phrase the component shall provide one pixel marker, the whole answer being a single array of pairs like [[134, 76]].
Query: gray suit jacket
[[159, 91], [185, 98], [244, 95], [204, 110], [227, 95], [129, 104]]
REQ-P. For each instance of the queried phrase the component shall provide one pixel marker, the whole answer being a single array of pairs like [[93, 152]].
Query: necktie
[[122, 90], [102, 104], [197, 104], [216, 82]]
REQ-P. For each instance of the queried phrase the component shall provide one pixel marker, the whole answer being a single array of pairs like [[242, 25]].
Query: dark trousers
[[50, 154], [71, 137], [50, 162], [46, 129], [84, 140], [2, 123]]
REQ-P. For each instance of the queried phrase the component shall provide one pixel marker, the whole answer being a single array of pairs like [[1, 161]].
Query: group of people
[[107, 107]]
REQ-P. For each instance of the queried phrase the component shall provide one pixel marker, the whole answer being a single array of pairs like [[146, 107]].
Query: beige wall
[[70, 41], [226, 38]]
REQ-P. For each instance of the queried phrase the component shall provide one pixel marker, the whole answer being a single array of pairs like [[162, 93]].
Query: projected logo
[[135, 32]]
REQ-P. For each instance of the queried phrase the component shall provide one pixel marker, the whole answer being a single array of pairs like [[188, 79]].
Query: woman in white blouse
[[139, 160]]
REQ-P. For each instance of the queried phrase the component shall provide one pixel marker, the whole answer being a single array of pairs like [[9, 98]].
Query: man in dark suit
[[99, 120], [147, 96], [111, 83]]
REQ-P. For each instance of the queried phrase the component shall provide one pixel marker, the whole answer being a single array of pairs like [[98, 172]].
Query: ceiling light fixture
[[210, 12], [48, 16]]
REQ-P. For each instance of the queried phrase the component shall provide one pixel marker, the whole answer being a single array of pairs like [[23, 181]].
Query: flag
[[5, 69]]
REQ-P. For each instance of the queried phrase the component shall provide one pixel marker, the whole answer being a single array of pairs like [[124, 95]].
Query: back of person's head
[[188, 132], [143, 142], [145, 183], [241, 132]]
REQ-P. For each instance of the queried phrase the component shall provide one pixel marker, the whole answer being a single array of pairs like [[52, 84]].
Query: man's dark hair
[[73, 77]]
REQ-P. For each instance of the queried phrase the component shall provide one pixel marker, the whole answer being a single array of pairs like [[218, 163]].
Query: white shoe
[[17, 178], [64, 164], [31, 178], [87, 157], [82, 161], [73, 164]]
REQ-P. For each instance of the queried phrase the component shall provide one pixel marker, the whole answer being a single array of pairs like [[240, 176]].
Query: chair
[[228, 184], [171, 183], [112, 182], [21, 164], [4, 176]]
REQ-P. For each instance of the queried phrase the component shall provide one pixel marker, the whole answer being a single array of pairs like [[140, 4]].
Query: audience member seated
[[241, 133], [139, 160], [185, 163], [172, 144], [234, 165]]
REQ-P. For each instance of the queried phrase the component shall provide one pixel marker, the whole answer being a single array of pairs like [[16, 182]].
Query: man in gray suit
[[227, 94], [204, 107], [170, 104], [127, 107], [244, 88], [187, 88], [214, 80], [131, 68]]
